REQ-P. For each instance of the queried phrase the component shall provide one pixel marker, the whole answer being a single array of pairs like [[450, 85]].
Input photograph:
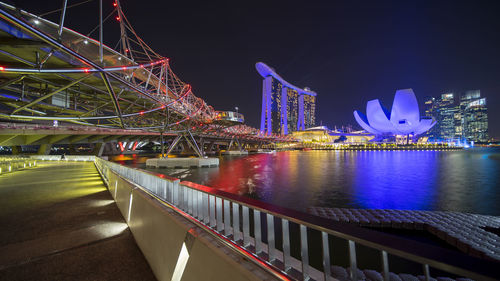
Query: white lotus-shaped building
[[404, 118]]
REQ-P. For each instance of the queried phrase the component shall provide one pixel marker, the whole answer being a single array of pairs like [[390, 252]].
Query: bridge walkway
[[59, 222]]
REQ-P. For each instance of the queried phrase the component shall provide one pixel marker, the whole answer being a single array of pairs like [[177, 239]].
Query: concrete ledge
[[182, 162], [161, 234]]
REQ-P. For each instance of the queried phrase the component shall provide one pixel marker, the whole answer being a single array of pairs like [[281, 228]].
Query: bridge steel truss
[[51, 73]]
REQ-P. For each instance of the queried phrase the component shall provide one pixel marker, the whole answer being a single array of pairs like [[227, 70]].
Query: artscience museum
[[403, 119]]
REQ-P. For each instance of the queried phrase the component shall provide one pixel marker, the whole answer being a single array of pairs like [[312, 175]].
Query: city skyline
[[348, 52], [460, 117]]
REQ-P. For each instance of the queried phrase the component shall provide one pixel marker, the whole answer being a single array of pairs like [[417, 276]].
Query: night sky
[[349, 52]]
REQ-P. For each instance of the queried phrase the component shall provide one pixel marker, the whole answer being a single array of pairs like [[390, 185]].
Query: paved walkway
[[58, 222]]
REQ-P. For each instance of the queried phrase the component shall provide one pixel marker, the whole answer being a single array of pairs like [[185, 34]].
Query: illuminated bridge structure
[[51, 73]]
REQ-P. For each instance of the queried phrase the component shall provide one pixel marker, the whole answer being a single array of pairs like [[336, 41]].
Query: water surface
[[466, 181]]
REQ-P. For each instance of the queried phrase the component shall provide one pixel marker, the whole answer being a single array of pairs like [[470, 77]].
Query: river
[[465, 181]]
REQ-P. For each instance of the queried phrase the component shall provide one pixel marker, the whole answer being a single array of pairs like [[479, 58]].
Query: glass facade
[[474, 117], [466, 119], [292, 110], [309, 111], [286, 108], [446, 116], [276, 99]]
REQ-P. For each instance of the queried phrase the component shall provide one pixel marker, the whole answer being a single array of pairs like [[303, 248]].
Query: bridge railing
[[13, 163], [271, 235], [85, 158]]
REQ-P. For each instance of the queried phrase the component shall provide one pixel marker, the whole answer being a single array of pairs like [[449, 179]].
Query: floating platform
[[234, 153], [466, 232], [182, 162]]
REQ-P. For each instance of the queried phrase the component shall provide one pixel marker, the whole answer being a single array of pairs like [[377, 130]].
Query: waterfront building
[[447, 109], [474, 117], [403, 119], [285, 107], [466, 119], [430, 111], [309, 111], [322, 134]]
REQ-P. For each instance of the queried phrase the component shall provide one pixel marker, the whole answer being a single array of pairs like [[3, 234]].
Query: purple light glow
[[404, 118]]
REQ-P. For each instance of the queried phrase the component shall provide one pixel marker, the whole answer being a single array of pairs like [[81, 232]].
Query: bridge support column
[[210, 148], [44, 149], [99, 148], [106, 149]]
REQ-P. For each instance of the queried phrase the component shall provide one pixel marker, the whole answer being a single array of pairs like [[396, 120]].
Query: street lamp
[[236, 109]]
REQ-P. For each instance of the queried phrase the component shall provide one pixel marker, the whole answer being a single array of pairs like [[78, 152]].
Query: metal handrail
[[220, 211]]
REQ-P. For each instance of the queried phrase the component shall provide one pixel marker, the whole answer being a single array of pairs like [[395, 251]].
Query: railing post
[[201, 213], [190, 201], [352, 260], [196, 205], [175, 194], [385, 265], [427, 273], [218, 206], [286, 244], [304, 252], [227, 218], [213, 221], [165, 188], [206, 211], [257, 232], [246, 226], [270, 238], [326, 256], [236, 222], [185, 195]]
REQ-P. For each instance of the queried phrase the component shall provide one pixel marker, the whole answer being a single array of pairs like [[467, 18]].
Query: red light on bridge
[[141, 113], [121, 146], [115, 4], [86, 70], [162, 107], [118, 18], [2, 68]]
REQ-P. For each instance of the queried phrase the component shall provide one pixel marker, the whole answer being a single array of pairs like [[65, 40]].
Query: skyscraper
[[474, 116], [285, 107], [447, 108], [309, 111], [466, 119]]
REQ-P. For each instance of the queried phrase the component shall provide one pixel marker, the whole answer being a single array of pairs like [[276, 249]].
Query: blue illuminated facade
[[285, 107], [404, 118]]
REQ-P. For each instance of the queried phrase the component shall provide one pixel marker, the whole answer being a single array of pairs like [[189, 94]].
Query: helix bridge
[[50, 73]]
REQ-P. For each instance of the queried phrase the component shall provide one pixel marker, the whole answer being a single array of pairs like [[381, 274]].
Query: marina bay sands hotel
[[285, 107]]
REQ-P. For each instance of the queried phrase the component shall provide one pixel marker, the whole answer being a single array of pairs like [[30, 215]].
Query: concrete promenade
[[59, 222]]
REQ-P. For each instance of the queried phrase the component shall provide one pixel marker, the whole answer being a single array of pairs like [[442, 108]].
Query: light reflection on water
[[466, 181]]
